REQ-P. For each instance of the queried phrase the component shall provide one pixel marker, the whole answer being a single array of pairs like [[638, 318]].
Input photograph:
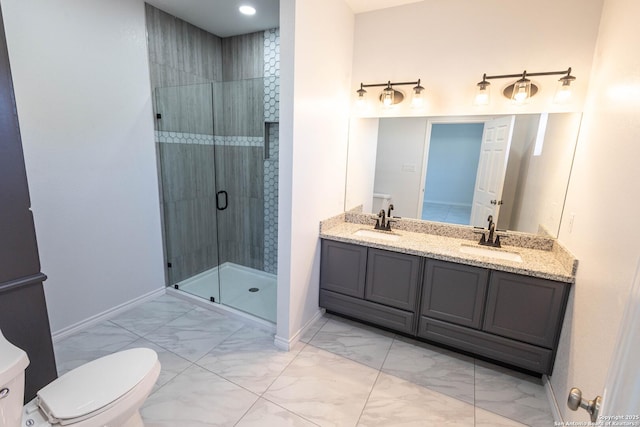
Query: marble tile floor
[[452, 214], [221, 371]]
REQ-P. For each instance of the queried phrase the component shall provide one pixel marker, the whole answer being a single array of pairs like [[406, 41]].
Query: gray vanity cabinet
[[392, 279], [454, 293], [502, 316], [524, 308], [370, 284], [343, 268]]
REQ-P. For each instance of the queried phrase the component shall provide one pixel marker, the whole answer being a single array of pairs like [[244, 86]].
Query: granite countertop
[[545, 264]]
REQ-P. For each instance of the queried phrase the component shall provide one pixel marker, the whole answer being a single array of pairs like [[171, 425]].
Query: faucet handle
[[388, 227], [483, 238]]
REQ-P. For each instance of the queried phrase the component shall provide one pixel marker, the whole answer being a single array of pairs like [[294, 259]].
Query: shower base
[[237, 289]]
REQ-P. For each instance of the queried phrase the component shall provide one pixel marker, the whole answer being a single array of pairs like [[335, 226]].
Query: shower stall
[[218, 160]]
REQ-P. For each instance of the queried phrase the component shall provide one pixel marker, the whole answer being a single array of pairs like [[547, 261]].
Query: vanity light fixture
[[391, 96], [523, 89]]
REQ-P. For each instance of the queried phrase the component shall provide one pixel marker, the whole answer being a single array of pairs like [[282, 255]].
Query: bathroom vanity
[[428, 286]]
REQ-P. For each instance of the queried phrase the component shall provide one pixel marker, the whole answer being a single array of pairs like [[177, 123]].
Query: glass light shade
[[387, 96], [361, 100], [417, 101], [563, 91], [482, 94], [521, 91]]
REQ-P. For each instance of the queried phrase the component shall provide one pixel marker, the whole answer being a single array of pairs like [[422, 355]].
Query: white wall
[[449, 44], [541, 196], [603, 196], [363, 148], [314, 123], [81, 80], [524, 134], [399, 163]]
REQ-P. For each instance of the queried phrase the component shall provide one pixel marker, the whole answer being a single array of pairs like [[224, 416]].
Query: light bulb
[[563, 91], [521, 91], [387, 96]]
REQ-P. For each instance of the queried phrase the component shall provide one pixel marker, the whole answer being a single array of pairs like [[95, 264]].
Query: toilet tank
[[380, 201], [13, 362]]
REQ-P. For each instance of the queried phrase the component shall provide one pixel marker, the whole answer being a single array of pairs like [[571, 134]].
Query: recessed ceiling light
[[247, 10]]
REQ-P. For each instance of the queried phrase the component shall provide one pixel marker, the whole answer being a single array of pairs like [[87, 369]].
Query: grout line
[[376, 380]]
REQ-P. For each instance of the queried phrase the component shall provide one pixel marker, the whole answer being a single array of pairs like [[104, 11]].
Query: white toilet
[[107, 392]]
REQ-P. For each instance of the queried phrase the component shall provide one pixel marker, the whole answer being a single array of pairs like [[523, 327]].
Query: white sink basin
[[491, 253], [373, 234]]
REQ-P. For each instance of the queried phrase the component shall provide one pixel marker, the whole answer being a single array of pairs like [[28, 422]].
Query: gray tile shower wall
[[243, 57], [180, 53], [239, 108], [241, 225], [185, 109], [189, 208]]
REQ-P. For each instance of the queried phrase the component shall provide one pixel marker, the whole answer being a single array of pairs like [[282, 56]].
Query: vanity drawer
[[367, 311], [516, 353]]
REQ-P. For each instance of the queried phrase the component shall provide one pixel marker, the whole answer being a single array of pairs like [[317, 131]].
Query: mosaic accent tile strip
[[271, 202], [272, 75], [195, 138], [271, 114]]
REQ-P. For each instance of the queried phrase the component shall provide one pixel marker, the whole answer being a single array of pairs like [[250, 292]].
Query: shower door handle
[[226, 200]]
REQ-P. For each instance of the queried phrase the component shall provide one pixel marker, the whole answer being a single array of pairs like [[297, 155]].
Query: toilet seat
[[96, 386]]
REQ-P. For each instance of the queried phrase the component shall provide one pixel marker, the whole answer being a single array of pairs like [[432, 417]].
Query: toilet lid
[[95, 384]]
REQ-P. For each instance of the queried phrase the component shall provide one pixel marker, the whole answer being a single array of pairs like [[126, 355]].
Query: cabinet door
[[392, 279], [525, 308], [454, 293], [343, 267]]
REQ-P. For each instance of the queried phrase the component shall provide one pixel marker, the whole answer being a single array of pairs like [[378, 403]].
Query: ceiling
[[221, 17], [360, 6]]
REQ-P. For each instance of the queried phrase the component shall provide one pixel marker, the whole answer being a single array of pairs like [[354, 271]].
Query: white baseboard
[[287, 344], [105, 315], [553, 402]]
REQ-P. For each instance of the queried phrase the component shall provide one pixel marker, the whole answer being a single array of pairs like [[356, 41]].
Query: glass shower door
[[241, 161], [187, 159]]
